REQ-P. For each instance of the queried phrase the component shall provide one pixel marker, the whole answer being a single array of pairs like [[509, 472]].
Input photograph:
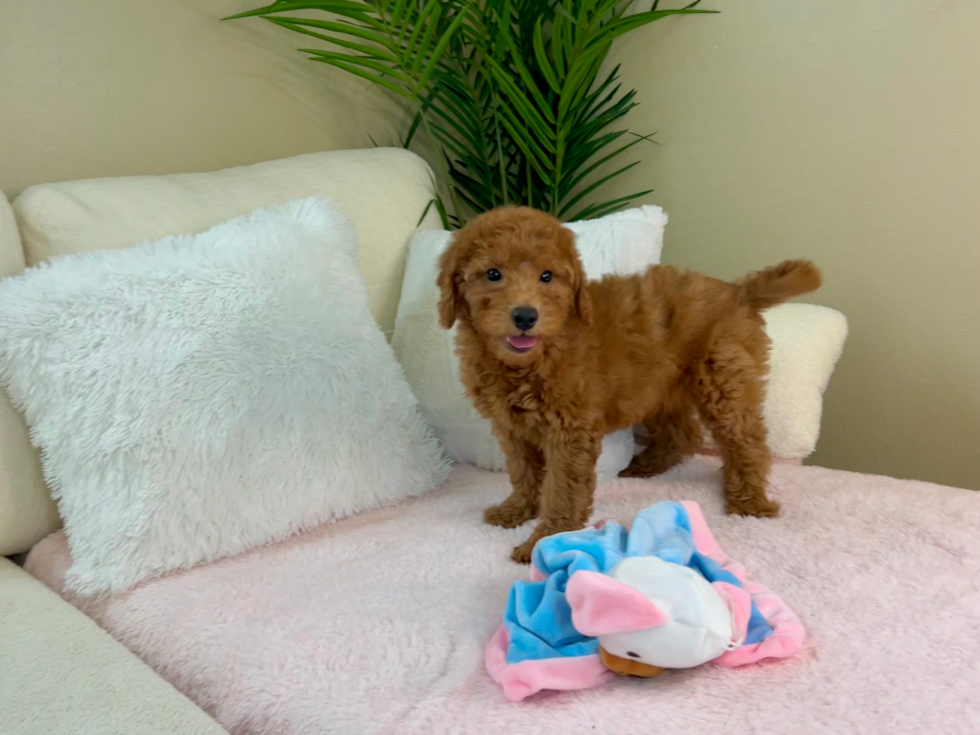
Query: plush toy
[[604, 601]]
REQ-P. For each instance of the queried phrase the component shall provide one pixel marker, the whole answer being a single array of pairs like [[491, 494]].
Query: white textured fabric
[[384, 190], [622, 243], [807, 342], [198, 396], [27, 513], [64, 674], [11, 253]]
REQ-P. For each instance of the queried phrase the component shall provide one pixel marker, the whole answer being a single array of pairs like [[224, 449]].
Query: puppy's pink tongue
[[522, 342]]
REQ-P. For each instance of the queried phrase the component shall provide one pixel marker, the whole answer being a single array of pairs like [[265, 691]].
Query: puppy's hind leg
[[729, 388], [673, 435]]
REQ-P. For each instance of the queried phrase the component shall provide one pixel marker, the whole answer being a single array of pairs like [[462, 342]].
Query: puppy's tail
[[778, 284]]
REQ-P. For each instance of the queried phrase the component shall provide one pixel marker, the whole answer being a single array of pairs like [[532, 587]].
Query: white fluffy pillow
[[807, 342], [199, 396], [623, 243]]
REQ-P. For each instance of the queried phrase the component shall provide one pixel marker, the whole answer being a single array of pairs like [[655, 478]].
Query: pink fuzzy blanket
[[377, 624]]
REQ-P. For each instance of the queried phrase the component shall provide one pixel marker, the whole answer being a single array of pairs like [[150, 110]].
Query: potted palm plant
[[509, 92]]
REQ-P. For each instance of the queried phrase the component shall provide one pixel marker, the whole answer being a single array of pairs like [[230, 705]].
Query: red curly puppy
[[556, 362]]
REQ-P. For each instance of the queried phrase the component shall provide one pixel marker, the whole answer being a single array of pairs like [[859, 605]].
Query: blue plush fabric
[[538, 618]]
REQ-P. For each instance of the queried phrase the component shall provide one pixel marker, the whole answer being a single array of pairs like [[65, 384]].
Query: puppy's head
[[514, 276]]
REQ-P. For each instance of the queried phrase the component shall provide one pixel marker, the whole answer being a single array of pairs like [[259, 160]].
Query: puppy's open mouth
[[522, 344]]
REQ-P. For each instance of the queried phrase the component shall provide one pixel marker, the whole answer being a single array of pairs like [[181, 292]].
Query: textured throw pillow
[[807, 342], [199, 396], [622, 243]]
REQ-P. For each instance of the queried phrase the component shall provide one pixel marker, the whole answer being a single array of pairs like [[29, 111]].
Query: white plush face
[[694, 625]]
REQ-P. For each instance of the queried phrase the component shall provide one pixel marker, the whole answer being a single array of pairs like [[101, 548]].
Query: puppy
[[556, 362]]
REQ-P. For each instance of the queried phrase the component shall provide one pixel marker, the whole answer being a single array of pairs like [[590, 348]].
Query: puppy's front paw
[[522, 553], [758, 507], [507, 516]]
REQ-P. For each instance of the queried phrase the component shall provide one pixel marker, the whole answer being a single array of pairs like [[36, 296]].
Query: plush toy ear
[[601, 605]]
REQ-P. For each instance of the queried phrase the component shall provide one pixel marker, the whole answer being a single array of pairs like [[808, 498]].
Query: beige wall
[[848, 132], [845, 131], [112, 87]]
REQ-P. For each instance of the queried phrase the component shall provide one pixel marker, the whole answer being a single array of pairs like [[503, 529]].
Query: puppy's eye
[[493, 275], [546, 277]]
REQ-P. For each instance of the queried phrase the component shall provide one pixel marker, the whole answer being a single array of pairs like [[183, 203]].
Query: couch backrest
[[27, 512], [385, 191]]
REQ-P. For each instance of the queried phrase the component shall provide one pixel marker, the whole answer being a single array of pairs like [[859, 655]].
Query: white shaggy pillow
[[199, 396], [807, 342], [622, 243]]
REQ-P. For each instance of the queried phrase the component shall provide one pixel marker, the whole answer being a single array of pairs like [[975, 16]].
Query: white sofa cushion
[[384, 190], [63, 674], [27, 512], [807, 341], [622, 243], [200, 395]]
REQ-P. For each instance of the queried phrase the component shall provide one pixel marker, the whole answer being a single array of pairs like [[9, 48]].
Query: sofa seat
[[377, 624], [63, 674]]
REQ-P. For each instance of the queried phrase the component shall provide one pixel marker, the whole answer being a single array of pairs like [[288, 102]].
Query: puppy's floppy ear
[[448, 280], [583, 303]]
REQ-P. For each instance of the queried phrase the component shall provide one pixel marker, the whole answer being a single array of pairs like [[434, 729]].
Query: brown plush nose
[[524, 317]]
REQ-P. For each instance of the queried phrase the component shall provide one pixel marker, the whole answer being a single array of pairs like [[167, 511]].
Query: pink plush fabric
[[739, 604], [377, 624], [521, 680], [602, 605]]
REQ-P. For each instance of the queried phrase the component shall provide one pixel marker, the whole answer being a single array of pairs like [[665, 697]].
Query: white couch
[[61, 673]]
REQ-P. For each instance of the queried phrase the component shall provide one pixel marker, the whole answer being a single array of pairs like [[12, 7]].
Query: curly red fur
[[656, 349]]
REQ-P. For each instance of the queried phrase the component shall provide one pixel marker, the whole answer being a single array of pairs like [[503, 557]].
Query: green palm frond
[[507, 91]]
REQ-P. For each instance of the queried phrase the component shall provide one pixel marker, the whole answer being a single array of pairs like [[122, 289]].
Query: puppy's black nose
[[524, 317]]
